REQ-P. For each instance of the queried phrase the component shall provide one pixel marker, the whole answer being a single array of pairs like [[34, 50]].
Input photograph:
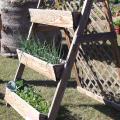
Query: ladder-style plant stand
[[61, 19]]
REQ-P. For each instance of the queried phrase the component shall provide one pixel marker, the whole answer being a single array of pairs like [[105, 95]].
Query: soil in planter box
[[28, 93]]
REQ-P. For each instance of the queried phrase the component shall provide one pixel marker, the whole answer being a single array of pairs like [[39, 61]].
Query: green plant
[[44, 51], [116, 22], [28, 93]]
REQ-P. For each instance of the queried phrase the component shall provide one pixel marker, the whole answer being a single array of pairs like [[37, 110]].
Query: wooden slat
[[101, 22], [19, 72], [97, 37], [94, 23], [22, 107], [68, 41], [57, 18], [99, 9]]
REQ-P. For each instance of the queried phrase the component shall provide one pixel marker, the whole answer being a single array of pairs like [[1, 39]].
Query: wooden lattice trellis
[[97, 62], [97, 70]]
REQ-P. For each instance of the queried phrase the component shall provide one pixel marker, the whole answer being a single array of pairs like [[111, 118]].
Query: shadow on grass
[[109, 111], [2, 104], [2, 96], [3, 82], [65, 114], [50, 83], [105, 109]]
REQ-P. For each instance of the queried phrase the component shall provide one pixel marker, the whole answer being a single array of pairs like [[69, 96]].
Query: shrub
[[116, 22]]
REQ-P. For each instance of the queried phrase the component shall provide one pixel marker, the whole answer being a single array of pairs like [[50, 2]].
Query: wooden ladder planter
[[22, 107], [58, 19], [52, 71]]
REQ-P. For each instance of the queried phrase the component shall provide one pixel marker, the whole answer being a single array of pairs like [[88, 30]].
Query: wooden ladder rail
[[69, 61]]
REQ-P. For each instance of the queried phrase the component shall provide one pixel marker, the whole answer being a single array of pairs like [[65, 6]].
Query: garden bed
[[22, 107], [51, 71]]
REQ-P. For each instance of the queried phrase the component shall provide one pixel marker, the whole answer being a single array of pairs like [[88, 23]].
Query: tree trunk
[[15, 24]]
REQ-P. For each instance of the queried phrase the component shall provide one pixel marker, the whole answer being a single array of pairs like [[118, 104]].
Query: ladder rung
[[96, 37]]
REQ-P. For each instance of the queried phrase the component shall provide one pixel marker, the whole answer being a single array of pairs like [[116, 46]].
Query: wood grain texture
[[68, 41], [57, 18], [19, 72], [22, 107], [51, 71]]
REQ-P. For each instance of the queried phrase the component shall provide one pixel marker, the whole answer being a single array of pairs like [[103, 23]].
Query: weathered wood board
[[53, 72], [22, 107], [58, 18]]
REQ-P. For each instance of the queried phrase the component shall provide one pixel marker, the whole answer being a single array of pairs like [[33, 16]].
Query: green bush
[[116, 22]]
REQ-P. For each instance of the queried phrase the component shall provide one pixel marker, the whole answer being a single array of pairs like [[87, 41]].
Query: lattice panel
[[96, 63], [98, 18], [98, 71]]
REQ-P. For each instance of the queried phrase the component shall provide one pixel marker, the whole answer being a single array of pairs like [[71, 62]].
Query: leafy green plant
[[117, 22], [28, 93], [44, 51]]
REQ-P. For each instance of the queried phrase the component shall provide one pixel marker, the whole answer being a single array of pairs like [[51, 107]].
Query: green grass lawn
[[75, 106]]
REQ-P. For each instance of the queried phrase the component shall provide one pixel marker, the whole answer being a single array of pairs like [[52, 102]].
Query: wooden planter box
[[53, 72], [22, 107]]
